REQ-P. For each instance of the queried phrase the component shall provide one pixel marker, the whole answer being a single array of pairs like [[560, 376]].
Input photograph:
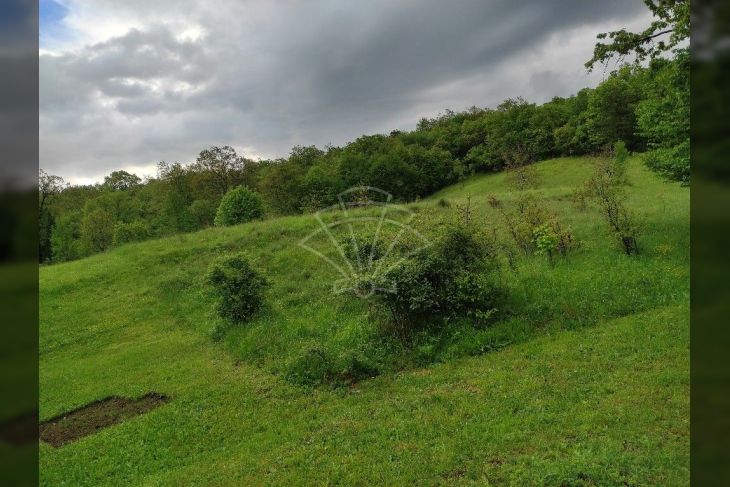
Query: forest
[[643, 104]]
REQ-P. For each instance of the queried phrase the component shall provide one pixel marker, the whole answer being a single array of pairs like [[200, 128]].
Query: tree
[[305, 156], [65, 237], [281, 185], [219, 165], [45, 228], [121, 181], [97, 230], [239, 205], [671, 18], [177, 196], [611, 113], [663, 118], [512, 129], [320, 187], [48, 186]]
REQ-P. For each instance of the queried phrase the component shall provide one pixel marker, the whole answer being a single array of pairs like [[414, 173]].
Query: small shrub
[[524, 177], [362, 251], [520, 171], [452, 278], [546, 241], [494, 202], [239, 288], [531, 222], [444, 203], [580, 196], [604, 188], [239, 205]]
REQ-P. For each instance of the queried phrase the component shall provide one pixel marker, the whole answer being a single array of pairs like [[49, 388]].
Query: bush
[[239, 205], [239, 288], [494, 202], [534, 228], [453, 278], [671, 162], [609, 195], [131, 232]]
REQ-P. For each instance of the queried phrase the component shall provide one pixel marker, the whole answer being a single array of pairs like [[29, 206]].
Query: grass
[[586, 383]]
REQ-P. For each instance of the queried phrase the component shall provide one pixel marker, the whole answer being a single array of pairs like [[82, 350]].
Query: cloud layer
[[125, 84]]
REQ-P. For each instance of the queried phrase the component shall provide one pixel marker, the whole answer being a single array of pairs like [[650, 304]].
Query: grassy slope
[[605, 404]]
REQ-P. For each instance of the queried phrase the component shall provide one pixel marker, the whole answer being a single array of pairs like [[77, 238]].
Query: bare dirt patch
[[89, 419]]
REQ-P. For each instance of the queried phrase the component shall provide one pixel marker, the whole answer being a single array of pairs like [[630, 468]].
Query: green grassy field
[[583, 379]]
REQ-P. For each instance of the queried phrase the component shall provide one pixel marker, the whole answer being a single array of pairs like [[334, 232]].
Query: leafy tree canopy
[[671, 18]]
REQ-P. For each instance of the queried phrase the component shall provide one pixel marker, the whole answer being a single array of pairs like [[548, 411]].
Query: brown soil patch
[[98, 415]]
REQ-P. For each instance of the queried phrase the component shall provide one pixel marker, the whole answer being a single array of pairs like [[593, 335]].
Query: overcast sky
[[127, 83]]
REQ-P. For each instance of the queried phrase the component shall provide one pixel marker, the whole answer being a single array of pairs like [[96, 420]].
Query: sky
[[127, 83]]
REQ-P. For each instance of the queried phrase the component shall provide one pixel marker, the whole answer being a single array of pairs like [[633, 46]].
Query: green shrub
[[134, 231], [450, 279], [546, 241], [671, 162], [533, 226], [239, 205], [603, 188], [239, 288], [362, 251]]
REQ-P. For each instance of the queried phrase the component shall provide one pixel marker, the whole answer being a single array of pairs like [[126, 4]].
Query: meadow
[[582, 378]]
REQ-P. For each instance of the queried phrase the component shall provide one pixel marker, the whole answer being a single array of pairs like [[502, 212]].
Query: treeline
[[645, 107]]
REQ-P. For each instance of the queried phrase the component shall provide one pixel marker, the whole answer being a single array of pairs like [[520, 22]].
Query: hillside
[[583, 379]]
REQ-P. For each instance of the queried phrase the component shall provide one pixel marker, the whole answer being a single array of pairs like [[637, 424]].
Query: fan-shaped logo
[[364, 238]]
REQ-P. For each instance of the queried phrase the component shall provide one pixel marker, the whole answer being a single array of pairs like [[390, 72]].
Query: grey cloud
[[270, 75]]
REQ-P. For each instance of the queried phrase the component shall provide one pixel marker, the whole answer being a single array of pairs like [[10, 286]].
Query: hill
[[584, 378]]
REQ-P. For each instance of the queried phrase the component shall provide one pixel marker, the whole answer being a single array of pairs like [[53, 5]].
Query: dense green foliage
[[645, 107], [239, 289], [133, 231], [667, 30], [452, 278], [663, 118], [239, 205]]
